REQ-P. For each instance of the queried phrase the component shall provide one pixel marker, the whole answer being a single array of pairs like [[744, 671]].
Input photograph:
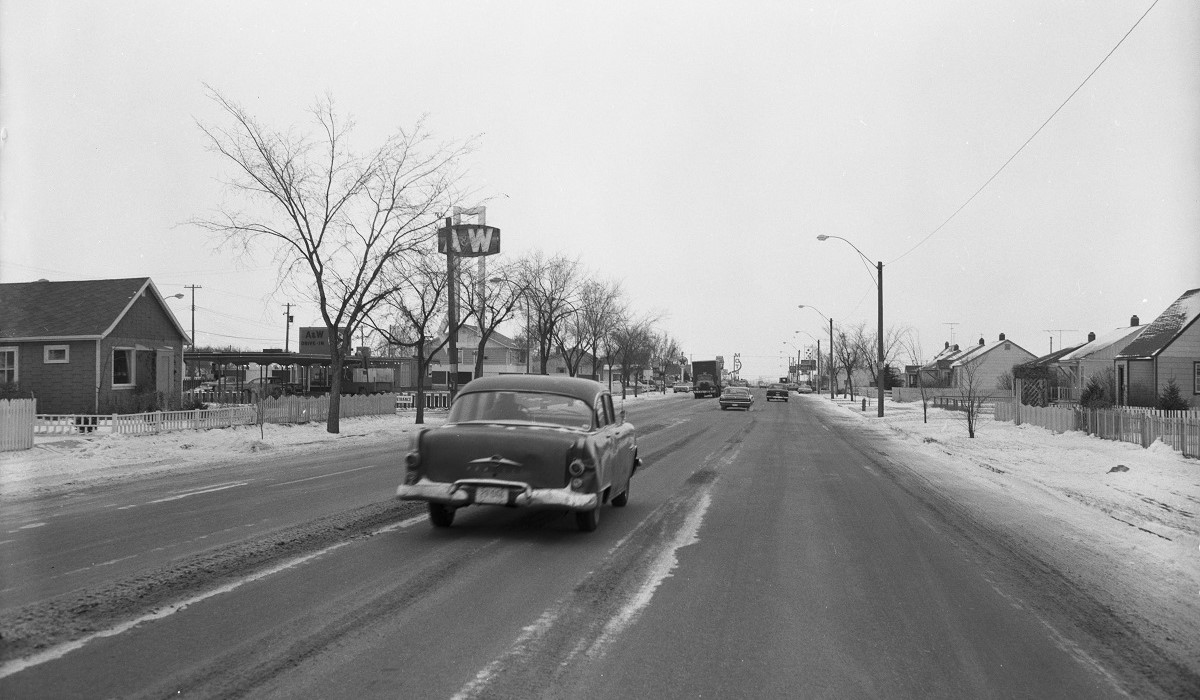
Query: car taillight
[[576, 467], [412, 460]]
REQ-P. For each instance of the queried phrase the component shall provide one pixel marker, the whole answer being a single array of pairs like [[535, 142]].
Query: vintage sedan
[[524, 440], [736, 397], [777, 392]]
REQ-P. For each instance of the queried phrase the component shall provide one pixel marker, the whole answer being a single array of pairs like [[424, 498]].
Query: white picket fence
[[286, 409], [1141, 426], [17, 417]]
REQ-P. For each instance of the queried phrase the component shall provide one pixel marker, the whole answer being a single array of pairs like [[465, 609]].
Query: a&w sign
[[469, 240]]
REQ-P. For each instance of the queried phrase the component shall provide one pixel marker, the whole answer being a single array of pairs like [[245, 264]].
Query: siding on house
[[1140, 382], [989, 363], [1178, 361], [60, 387]]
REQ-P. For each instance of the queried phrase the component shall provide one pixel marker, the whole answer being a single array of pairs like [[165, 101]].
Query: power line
[[1028, 140]]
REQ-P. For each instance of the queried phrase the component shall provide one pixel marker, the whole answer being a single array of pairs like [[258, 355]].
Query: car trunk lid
[[535, 455]]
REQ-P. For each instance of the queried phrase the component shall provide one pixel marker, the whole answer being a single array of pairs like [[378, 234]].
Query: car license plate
[[489, 494]]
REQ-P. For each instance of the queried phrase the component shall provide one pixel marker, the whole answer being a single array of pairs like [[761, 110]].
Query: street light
[[831, 366], [881, 374]]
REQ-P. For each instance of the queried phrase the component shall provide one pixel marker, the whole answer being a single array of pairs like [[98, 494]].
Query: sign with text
[[469, 240], [314, 340]]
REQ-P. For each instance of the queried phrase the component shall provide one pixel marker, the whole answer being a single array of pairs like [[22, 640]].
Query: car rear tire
[[441, 515], [588, 520], [623, 499]]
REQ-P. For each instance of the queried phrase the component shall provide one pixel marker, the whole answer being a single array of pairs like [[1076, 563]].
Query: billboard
[[314, 340], [469, 240]]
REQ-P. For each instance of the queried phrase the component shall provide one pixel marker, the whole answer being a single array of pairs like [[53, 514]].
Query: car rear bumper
[[462, 493], [735, 404]]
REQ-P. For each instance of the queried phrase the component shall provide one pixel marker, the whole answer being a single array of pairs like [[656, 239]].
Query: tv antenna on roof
[[952, 324], [1059, 331]]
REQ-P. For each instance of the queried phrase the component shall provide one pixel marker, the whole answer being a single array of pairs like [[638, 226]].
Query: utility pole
[[287, 334], [193, 287]]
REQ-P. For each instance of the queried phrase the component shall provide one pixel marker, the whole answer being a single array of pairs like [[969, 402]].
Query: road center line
[[325, 476], [210, 489]]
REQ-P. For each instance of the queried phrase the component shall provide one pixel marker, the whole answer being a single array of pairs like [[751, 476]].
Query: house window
[[122, 367], [1196, 377], [8, 365], [56, 354]]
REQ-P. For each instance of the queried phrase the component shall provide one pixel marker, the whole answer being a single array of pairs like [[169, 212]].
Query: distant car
[[524, 440], [777, 392], [804, 389], [736, 397], [682, 388], [791, 386]]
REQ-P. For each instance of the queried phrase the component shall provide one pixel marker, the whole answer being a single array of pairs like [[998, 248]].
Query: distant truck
[[706, 379]]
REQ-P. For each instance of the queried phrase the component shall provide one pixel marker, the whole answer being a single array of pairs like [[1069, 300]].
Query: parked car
[[736, 397], [804, 389], [682, 388], [777, 392], [524, 440]]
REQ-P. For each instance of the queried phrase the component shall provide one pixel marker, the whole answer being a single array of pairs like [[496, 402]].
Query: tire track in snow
[[584, 624]]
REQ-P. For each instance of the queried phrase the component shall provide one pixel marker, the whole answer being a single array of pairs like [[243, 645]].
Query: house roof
[[1163, 331], [84, 309], [1118, 336], [979, 350], [1052, 358]]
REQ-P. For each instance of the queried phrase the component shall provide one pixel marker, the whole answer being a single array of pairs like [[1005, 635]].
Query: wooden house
[[1167, 349], [91, 346]]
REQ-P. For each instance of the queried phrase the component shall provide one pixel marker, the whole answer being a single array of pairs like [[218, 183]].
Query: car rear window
[[520, 407]]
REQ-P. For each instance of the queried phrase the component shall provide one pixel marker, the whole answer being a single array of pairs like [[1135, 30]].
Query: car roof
[[583, 389]]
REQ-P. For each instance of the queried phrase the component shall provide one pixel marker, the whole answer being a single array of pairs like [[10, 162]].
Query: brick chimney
[[1091, 337], [981, 341], [1001, 336], [1133, 321]]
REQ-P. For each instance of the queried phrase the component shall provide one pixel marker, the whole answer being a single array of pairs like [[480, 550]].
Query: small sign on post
[[458, 240]]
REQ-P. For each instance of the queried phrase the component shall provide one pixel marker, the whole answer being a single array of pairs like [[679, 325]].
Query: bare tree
[[972, 395], [666, 351], [911, 347], [412, 315], [492, 301], [847, 352], [551, 290], [600, 310], [334, 219], [632, 345]]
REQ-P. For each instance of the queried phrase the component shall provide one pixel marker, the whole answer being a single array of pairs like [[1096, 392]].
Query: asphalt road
[[778, 552]]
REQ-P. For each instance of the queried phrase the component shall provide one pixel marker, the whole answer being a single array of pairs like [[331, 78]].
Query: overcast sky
[[691, 150]]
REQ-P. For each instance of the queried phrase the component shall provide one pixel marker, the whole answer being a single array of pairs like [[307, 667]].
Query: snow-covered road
[[1117, 519]]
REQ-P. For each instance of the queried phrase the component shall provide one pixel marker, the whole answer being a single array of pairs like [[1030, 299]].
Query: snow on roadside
[[1117, 520], [72, 461]]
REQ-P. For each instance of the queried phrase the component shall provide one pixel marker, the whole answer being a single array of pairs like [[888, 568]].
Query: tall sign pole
[[458, 240]]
